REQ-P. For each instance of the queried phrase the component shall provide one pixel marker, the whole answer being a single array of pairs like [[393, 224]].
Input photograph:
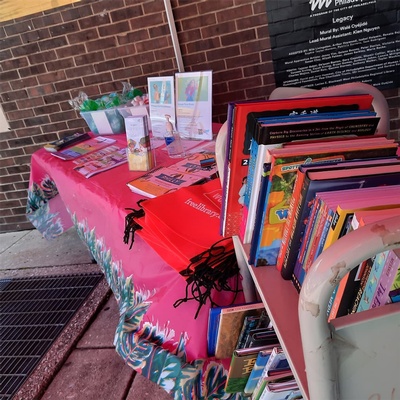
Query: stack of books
[[298, 173], [258, 366]]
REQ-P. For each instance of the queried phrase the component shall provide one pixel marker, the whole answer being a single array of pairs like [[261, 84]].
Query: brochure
[[161, 103], [82, 148], [110, 158], [194, 104]]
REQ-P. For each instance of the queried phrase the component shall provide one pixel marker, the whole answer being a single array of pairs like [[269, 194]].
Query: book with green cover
[[241, 365]]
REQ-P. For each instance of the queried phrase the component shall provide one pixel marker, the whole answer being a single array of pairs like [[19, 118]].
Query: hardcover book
[[348, 175], [242, 363], [230, 325], [283, 171], [239, 139]]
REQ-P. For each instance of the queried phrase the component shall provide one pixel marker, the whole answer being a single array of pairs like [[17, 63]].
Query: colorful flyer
[[162, 103], [194, 104]]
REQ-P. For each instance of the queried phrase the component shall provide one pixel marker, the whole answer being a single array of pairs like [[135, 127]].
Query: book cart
[[353, 357]]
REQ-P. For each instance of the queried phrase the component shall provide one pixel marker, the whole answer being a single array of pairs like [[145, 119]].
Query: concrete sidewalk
[[82, 364]]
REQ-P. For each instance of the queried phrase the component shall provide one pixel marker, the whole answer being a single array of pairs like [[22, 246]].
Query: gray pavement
[[82, 364]]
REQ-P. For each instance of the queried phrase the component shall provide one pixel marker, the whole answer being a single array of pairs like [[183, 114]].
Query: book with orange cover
[[239, 139], [347, 175]]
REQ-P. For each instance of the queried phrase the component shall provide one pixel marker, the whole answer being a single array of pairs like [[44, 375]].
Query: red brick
[[101, 44], [105, 66], [52, 77], [62, 116], [182, 12], [68, 85], [44, 119], [53, 127], [25, 50], [32, 131], [5, 55], [15, 95], [17, 115], [140, 58], [53, 43], [126, 13], [70, 51], [20, 142], [12, 41], [238, 37], [42, 57], [23, 83], [99, 7], [218, 30], [5, 87], [33, 70], [97, 20], [49, 109], [198, 21], [16, 124], [41, 90], [242, 61], [98, 78], [16, 29], [80, 71], [203, 45], [11, 153], [64, 29], [47, 20], [120, 51], [14, 63], [9, 75], [83, 36], [36, 35], [89, 58], [76, 13]]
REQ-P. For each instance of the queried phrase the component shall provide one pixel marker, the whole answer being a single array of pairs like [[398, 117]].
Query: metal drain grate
[[33, 312]]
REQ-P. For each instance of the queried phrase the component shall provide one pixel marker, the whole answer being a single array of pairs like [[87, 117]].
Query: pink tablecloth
[[164, 343]]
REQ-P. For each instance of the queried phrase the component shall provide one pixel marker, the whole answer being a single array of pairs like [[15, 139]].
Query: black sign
[[321, 43]]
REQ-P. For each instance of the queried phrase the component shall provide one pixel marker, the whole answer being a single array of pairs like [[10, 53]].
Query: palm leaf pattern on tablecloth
[[140, 343]]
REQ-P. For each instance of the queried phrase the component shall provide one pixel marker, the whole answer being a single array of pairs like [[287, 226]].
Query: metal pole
[[175, 41]]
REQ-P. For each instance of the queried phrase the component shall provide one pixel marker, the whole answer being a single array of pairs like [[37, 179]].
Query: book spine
[[388, 274], [293, 243], [260, 213], [288, 228], [374, 276], [364, 278]]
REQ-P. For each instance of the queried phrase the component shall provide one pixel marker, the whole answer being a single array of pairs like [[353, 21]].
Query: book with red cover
[[239, 138], [337, 177]]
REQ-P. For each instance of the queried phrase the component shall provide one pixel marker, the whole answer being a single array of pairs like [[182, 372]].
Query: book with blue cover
[[257, 370]]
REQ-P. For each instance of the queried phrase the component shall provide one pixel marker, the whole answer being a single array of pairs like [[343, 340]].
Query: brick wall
[[47, 58]]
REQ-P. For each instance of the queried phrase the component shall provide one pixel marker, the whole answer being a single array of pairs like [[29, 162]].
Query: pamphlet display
[[194, 105], [162, 103]]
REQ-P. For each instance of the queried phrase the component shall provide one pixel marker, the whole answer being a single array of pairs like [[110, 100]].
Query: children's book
[[341, 205], [239, 139], [242, 363], [185, 172], [341, 176], [283, 171], [386, 279], [252, 322], [111, 158], [372, 281], [276, 360], [82, 148], [230, 325], [257, 370], [320, 125]]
